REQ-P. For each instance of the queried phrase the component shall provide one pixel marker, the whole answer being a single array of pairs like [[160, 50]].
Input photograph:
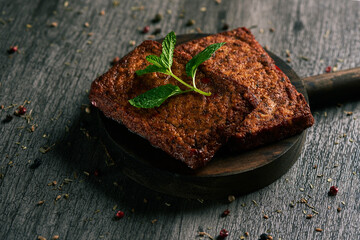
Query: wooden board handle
[[332, 87]]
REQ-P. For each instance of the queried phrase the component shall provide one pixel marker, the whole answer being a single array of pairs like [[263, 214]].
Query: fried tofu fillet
[[281, 111], [189, 127]]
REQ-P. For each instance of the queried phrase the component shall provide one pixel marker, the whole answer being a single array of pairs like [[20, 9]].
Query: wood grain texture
[[54, 69]]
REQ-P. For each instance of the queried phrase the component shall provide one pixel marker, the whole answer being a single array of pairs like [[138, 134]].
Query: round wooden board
[[226, 174]]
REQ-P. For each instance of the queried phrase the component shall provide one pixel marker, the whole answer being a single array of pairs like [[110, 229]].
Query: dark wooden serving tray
[[227, 174]]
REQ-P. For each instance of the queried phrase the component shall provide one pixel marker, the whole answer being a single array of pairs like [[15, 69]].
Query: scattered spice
[[40, 202], [333, 191], [198, 30], [7, 119], [339, 209], [120, 214], [206, 234], [66, 195], [318, 229], [246, 234], [223, 233], [203, 9], [20, 111], [158, 17], [86, 24], [348, 113], [46, 149], [272, 29], [231, 198], [54, 24], [218, 1], [327, 33], [225, 213], [55, 237], [309, 216], [53, 183], [58, 197], [328, 69], [132, 43], [138, 8], [13, 49], [304, 58], [146, 29], [191, 22], [37, 162], [266, 216], [287, 51], [102, 13], [41, 238], [153, 221]]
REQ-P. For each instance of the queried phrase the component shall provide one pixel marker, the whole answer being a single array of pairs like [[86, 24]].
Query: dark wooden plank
[[323, 32]]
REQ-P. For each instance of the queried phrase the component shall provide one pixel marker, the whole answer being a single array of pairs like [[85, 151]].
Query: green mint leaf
[[155, 60], [201, 57], [150, 69], [155, 97], [168, 46]]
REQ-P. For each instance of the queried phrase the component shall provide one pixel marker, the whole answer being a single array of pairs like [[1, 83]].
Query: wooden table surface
[[64, 45]]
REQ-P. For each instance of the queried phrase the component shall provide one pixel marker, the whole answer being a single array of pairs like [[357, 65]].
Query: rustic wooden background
[[53, 70]]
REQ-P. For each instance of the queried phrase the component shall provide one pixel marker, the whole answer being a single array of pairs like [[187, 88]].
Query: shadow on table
[[84, 151]]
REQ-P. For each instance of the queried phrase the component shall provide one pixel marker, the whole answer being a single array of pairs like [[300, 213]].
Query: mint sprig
[[156, 96]]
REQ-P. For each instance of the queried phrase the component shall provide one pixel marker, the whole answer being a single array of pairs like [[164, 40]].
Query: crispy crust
[[281, 111], [190, 127]]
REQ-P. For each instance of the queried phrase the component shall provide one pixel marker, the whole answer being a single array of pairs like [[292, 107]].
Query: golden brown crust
[[190, 127], [281, 112]]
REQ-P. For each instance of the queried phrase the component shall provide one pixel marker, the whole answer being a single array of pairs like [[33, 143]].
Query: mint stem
[[188, 85]]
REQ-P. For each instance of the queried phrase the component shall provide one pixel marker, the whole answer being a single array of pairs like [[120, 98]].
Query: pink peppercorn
[[226, 212], [328, 69], [223, 233], [21, 110], [120, 214], [146, 29], [13, 49], [333, 190]]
